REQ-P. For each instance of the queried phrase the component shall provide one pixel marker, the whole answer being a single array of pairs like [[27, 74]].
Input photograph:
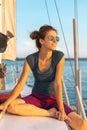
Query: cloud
[[25, 48]]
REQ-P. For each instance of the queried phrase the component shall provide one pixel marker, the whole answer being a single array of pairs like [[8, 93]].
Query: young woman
[[46, 98]]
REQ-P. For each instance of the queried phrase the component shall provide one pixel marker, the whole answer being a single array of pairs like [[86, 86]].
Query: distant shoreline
[[82, 58], [78, 58]]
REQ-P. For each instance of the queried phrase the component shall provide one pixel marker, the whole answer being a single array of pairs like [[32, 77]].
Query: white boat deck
[[13, 122]]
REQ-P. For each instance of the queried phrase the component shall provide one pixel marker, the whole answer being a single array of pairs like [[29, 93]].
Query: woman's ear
[[41, 41]]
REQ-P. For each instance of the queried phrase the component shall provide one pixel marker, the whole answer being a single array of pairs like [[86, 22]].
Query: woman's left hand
[[62, 116]]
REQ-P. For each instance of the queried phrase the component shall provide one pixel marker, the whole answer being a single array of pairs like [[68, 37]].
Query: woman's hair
[[36, 35]]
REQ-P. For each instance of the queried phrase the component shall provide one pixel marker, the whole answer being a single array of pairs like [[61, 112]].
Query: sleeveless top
[[44, 81]]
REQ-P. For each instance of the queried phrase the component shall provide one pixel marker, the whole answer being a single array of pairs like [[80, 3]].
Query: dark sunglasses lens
[[57, 38], [51, 38]]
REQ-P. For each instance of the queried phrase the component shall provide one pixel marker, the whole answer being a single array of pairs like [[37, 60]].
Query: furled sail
[[8, 23], [7, 28]]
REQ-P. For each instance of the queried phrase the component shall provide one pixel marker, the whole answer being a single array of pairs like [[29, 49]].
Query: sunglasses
[[51, 38]]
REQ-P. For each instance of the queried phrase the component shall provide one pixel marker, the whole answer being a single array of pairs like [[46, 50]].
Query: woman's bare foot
[[52, 112]]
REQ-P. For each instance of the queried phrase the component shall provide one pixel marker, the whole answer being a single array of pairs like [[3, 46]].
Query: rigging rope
[[47, 12], [64, 37]]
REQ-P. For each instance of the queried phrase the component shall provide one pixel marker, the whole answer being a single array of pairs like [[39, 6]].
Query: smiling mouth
[[54, 45]]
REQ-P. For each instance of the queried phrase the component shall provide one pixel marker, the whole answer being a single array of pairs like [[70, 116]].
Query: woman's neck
[[44, 60], [45, 55]]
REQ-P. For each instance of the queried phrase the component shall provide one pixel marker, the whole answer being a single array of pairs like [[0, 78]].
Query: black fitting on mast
[[4, 39]]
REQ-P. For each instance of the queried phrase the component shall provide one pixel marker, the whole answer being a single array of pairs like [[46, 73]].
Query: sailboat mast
[[75, 51], [79, 98], [80, 108]]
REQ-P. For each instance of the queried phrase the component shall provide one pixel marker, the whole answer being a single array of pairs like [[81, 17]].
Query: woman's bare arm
[[58, 84], [17, 89]]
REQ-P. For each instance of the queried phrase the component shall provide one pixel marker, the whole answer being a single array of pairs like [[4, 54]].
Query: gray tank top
[[44, 81]]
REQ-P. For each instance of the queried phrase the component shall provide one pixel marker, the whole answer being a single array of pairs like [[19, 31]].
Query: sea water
[[14, 69]]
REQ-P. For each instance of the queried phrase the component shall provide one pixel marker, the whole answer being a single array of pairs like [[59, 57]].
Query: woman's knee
[[83, 125], [77, 122], [12, 107], [18, 101]]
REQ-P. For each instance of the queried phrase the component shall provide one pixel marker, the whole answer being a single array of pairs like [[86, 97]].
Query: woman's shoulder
[[32, 54], [57, 56], [32, 59], [58, 53]]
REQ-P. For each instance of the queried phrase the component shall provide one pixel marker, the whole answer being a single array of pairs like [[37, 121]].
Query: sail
[[0, 15], [8, 23]]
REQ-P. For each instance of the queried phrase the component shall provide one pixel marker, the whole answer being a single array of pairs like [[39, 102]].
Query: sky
[[32, 14]]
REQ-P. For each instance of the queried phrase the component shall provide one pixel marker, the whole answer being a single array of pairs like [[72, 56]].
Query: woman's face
[[50, 41]]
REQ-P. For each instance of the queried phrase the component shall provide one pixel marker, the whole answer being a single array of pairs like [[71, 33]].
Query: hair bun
[[34, 35]]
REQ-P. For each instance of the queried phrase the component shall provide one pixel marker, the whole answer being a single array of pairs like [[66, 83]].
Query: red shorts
[[44, 101]]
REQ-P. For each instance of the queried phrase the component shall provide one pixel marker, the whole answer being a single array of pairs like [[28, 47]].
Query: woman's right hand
[[3, 108], [63, 117]]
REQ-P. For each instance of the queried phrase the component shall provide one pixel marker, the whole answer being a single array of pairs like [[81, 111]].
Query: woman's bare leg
[[77, 123], [19, 107]]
